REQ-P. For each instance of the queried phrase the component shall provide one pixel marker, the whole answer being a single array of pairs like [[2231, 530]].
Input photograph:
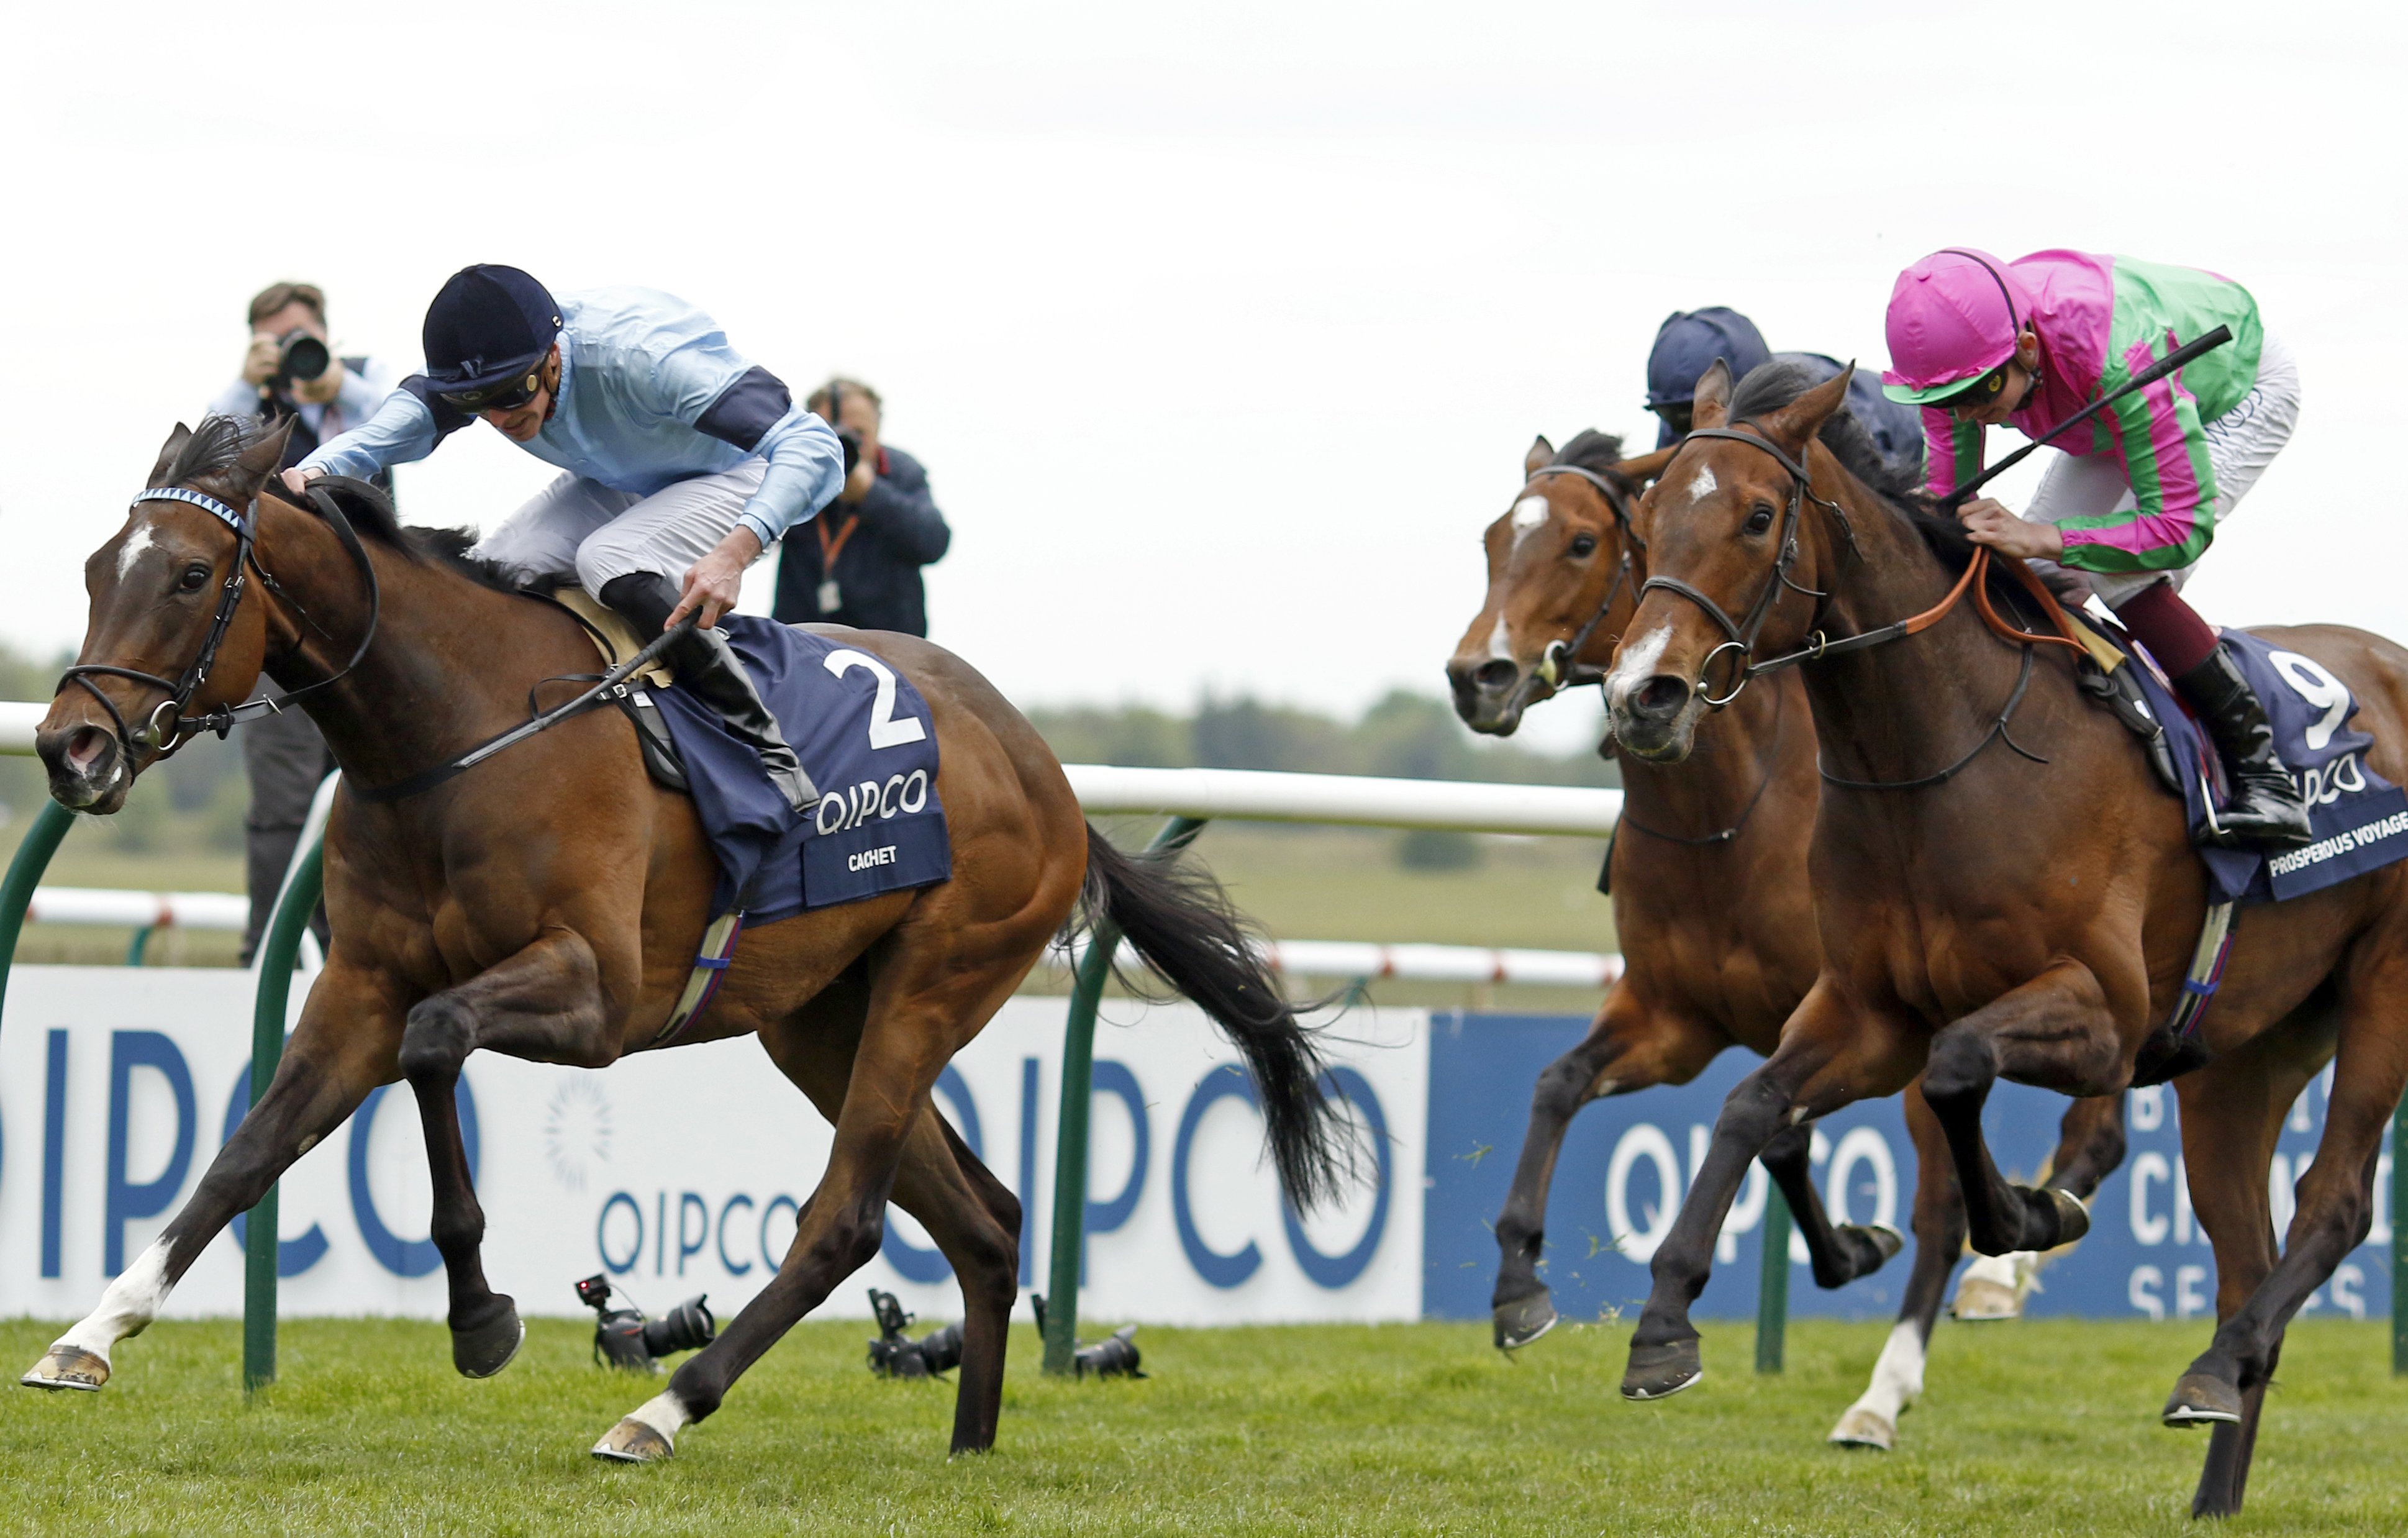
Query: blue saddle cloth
[[2360, 819], [866, 739]]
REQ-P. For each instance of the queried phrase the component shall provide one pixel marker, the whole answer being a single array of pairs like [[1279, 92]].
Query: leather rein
[[167, 727], [1742, 633]]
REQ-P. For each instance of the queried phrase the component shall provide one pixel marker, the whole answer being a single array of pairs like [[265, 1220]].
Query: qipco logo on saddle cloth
[[880, 827]]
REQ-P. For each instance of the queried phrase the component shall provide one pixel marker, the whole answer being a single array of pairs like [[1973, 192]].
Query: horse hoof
[[65, 1366], [1863, 1427], [1885, 1238], [486, 1349], [632, 1442], [2073, 1217], [1659, 1372], [1524, 1320], [1979, 1300], [2199, 1400]]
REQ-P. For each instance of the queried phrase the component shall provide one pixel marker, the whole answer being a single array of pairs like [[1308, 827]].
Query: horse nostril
[[1660, 697], [84, 748], [1496, 673]]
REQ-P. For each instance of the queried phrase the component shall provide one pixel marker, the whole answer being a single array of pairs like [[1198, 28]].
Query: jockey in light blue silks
[[682, 460]]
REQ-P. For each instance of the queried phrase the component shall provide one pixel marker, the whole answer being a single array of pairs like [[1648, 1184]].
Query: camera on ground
[[1113, 1356], [625, 1338], [896, 1354]]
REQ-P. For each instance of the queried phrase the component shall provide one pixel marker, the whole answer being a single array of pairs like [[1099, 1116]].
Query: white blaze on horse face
[[1702, 485], [135, 543], [1500, 640], [1637, 663], [1529, 514], [129, 1305]]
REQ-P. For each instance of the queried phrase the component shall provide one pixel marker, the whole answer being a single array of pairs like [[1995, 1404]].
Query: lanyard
[[831, 548]]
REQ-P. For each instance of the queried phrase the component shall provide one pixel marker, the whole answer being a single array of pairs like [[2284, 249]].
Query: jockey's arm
[[402, 430], [805, 471]]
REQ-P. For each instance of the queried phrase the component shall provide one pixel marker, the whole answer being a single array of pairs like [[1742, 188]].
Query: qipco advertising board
[[680, 1172]]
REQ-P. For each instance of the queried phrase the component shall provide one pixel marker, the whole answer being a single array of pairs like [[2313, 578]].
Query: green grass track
[[2028, 1428]]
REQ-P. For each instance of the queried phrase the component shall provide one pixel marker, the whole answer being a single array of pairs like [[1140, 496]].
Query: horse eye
[[1585, 545], [195, 575], [1760, 519]]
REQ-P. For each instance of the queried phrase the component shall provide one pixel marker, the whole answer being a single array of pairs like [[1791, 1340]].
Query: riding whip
[[2141, 380]]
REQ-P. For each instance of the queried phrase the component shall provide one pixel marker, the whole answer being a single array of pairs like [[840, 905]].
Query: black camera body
[[896, 1354], [625, 1338], [1115, 1355], [300, 357]]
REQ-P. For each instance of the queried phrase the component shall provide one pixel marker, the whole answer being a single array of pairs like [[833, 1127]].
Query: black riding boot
[[708, 669], [2266, 809]]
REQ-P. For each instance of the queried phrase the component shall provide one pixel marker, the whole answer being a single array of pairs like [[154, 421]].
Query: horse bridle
[[1743, 633], [168, 725], [1560, 659]]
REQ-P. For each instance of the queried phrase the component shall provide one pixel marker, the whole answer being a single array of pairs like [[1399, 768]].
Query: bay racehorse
[[1713, 909], [548, 903], [2001, 887]]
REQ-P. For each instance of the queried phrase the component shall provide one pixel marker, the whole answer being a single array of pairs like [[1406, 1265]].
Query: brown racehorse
[[2002, 889], [1713, 908], [547, 904]]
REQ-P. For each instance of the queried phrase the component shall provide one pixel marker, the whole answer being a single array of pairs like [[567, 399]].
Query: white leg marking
[[1500, 640], [1702, 485], [663, 1413], [129, 1305], [1898, 1383], [1637, 663], [135, 543]]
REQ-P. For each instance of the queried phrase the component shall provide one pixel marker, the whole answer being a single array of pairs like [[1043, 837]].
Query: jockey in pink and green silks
[[2134, 502]]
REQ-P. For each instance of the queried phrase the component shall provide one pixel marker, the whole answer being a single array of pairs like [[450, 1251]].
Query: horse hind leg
[[972, 1216], [1939, 1222]]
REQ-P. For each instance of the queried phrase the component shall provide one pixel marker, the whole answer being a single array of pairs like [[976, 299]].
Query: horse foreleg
[[1628, 1047], [544, 1003], [1939, 1235], [2089, 1147], [337, 1055], [1836, 1254], [2054, 1029]]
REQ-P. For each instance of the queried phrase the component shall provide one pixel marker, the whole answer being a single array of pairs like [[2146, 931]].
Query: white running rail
[[138, 910], [1259, 796]]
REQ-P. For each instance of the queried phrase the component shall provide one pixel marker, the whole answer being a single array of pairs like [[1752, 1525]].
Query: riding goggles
[[508, 396]]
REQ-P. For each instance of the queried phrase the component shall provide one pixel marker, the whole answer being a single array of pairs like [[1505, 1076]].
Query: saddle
[[617, 640]]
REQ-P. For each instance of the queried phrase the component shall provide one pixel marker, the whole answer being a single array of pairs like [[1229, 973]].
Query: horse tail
[[1184, 926]]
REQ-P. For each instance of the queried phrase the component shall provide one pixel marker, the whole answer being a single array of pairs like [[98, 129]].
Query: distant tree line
[[1404, 736]]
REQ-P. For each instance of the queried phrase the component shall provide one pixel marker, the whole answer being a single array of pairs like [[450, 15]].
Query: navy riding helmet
[[487, 328], [1686, 345]]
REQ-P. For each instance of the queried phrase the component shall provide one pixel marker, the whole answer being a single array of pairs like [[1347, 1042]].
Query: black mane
[[1590, 450], [1771, 386], [218, 443]]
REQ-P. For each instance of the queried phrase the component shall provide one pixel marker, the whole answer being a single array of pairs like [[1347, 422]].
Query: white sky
[[1220, 329]]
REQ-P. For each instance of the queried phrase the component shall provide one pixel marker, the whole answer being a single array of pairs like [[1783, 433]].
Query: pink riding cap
[[1953, 318]]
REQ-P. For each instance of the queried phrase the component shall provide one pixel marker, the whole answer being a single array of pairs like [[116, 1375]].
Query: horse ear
[[259, 462], [1795, 423], [175, 441], [1711, 406], [1541, 454]]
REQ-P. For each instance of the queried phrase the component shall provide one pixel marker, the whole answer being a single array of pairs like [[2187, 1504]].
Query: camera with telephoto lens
[[300, 357], [624, 1338], [896, 1354], [1113, 1356]]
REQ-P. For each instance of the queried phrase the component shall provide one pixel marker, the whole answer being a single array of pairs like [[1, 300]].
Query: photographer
[[859, 562], [291, 370]]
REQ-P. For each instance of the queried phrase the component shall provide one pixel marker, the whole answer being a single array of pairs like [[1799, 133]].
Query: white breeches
[[583, 528]]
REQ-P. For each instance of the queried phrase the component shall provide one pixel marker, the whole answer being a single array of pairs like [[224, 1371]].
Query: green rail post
[[33, 857], [2399, 1239], [1773, 1284], [1070, 1135], [277, 951]]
